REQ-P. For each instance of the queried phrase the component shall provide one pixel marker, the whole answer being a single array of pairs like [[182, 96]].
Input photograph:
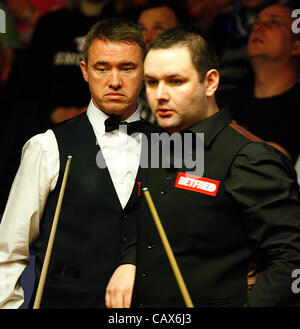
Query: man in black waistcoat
[[97, 223], [241, 207]]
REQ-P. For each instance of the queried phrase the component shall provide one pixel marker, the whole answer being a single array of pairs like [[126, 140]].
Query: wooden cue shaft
[[42, 280], [174, 265]]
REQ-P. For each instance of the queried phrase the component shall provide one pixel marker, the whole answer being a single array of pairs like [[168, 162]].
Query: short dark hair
[[179, 8], [203, 55], [115, 30]]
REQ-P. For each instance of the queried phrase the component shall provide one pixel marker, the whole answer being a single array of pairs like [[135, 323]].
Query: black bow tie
[[112, 123]]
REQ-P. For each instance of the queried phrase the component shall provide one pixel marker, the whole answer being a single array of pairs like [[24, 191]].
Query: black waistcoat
[[205, 232], [93, 230]]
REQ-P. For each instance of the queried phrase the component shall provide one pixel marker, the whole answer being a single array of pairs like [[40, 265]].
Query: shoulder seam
[[244, 132]]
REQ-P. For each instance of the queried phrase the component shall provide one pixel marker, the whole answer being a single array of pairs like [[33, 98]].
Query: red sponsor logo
[[197, 184]]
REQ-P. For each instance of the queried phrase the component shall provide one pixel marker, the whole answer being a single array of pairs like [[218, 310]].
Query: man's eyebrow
[[277, 16], [159, 21], [176, 75], [101, 63], [147, 76], [128, 64], [105, 63]]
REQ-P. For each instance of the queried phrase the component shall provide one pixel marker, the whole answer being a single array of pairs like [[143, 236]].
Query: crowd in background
[[41, 82]]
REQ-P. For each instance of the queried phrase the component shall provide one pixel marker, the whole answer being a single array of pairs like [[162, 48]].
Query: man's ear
[[211, 81], [296, 48], [83, 67]]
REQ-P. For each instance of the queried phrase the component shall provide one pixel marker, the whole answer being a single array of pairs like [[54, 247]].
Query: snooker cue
[[42, 280], [168, 249]]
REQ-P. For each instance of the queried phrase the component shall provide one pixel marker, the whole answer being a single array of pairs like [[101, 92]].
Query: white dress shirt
[[36, 177]]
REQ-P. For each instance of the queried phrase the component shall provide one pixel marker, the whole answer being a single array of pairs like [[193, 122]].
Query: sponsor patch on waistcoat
[[197, 184]]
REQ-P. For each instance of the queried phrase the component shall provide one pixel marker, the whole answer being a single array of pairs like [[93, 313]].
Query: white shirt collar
[[97, 117]]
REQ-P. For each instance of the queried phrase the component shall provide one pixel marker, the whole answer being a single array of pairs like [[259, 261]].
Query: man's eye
[[159, 28], [274, 22], [127, 69], [176, 82], [101, 69], [151, 83]]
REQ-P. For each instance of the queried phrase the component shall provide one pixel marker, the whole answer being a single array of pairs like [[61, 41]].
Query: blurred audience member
[[9, 45], [155, 18], [27, 13], [203, 12], [229, 32], [136, 7], [271, 107]]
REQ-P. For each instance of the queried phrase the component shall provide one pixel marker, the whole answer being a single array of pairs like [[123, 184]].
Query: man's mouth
[[164, 112], [114, 95], [257, 40]]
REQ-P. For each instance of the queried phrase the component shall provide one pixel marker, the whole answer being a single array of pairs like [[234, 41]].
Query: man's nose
[[115, 80], [258, 26], [162, 92]]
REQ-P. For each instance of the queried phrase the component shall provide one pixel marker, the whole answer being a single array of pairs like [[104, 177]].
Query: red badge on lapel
[[197, 184]]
